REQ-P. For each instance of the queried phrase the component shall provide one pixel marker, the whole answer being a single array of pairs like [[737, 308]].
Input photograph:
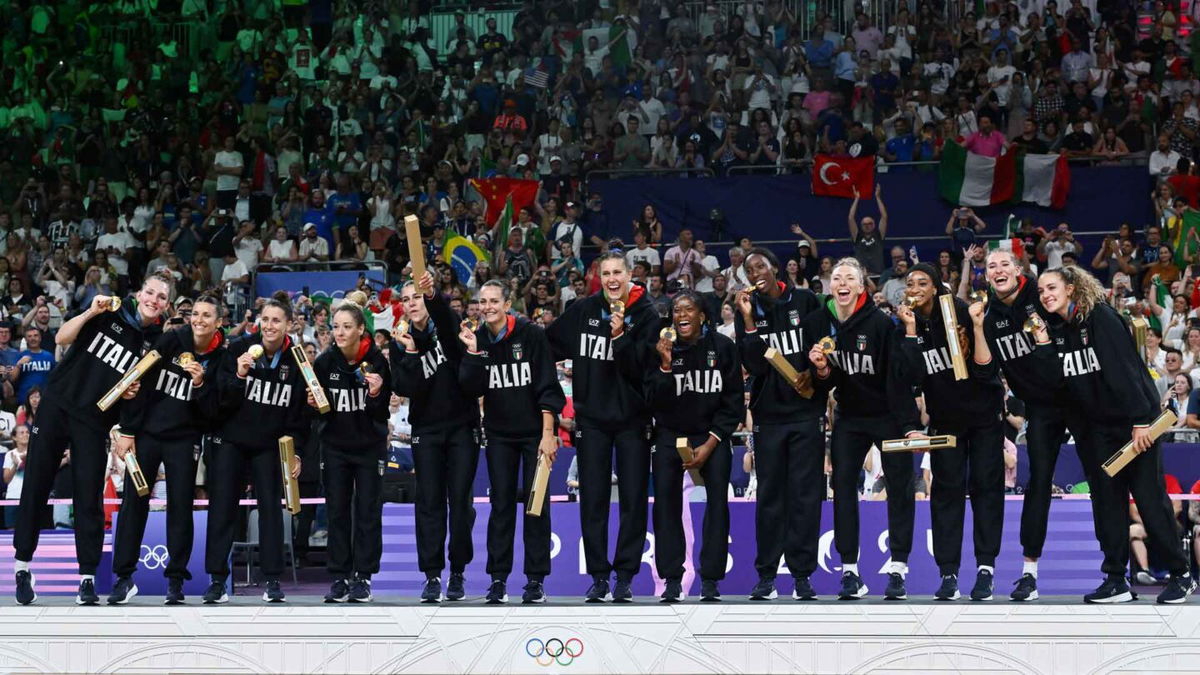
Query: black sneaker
[[123, 591], [338, 592], [764, 589], [983, 586], [215, 595], [621, 592], [174, 592], [456, 588], [87, 593], [534, 594], [273, 593], [360, 590], [25, 594], [709, 591], [1177, 591], [599, 591], [803, 590], [497, 593], [853, 587], [949, 588], [896, 589], [1026, 589], [1115, 589], [432, 593], [673, 592]]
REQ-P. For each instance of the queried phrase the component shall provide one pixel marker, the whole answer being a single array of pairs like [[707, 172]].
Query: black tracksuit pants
[[54, 430], [977, 462], [508, 459], [670, 548], [595, 463], [226, 471], [1143, 479], [445, 462], [177, 455], [851, 441], [789, 460], [1044, 435], [353, 501]]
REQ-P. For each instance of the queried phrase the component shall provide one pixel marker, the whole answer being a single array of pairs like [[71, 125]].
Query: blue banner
[[315, 284], [764, 207]]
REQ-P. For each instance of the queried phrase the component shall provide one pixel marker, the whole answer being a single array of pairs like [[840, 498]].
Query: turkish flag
[[838, 176], [495, 192]]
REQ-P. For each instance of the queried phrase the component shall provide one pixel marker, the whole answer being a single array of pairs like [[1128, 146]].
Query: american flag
[[537, 77]]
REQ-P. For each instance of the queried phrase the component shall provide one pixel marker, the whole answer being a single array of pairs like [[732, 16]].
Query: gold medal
[[668, 333], [365, 368], [472, 324], [114, 303], [185, 359], [618, 306], [401, 328], [910, 301], [978, 296], [1034, 323], [827, 345], [255, 352]]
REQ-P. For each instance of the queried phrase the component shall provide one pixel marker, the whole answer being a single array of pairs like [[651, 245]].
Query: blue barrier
[[764, 207]]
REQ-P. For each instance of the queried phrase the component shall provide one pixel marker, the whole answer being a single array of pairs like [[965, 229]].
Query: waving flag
[[969, 179], [462, 254], [496, 192]]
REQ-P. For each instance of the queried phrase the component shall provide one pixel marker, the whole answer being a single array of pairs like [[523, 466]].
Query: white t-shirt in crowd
[[648, 254], [14, 488], [248, 250], [228, 160], [710, 264]]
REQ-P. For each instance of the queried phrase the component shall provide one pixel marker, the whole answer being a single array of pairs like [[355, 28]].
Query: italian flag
[[968, 179], [1010, 241]]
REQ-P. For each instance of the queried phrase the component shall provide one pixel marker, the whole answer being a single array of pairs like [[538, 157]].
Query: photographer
[[963, 228], [1060, 240]]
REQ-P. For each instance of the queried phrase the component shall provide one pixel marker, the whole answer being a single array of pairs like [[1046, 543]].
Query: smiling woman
[[69, 416]]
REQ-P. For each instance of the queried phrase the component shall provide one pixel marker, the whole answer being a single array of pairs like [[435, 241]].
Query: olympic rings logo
[[554, 650], [154, 558]]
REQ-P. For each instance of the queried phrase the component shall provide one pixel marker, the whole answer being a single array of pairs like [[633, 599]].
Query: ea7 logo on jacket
[[1080, 362], [112, 353], [509, 375]]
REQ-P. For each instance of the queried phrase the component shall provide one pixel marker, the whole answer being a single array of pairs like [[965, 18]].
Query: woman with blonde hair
[[1106, 379]]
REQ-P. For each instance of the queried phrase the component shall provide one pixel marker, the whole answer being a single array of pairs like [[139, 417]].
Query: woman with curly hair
[[1107, 380]]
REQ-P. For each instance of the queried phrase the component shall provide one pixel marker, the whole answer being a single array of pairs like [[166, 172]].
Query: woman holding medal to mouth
[[509, 364], [970, 409], [696, 394], [788, 440], [355, 376], [107, 340], [856, 354], [610, 411], [163, 424]]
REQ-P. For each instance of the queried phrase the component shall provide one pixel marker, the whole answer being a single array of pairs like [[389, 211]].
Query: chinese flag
[[495, 192], [838, 176]]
